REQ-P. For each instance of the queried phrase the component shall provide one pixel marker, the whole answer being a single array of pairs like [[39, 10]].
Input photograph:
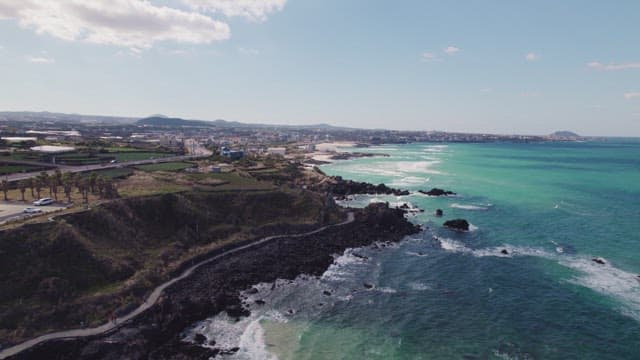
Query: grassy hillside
[[85, 265]]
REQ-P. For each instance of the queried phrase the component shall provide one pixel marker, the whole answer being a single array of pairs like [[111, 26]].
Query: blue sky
[[477, 66]]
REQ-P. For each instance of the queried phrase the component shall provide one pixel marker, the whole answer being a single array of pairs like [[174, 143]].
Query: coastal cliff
[[78, 269], [216, 287]]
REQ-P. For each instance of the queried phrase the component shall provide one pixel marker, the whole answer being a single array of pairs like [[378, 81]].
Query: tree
[[83, 188], [100, 186], [58, 177], [67, 185], [93, 181], [37, 184], [53, 187], [110, 190], [22, 186], [42, 181], [32, 185], [5, 189]]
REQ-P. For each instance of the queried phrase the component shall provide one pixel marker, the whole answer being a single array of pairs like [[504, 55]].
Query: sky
[[486, 66]]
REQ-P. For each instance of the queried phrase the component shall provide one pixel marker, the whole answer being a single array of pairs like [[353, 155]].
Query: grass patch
[[117, 173], [230, 181], [10, 169], [138, 155], [169, 166]]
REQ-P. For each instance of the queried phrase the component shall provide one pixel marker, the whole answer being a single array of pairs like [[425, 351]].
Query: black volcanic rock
[[457, 224], [599, 260], [439, 212], [437, 192], [341, 187], [158, 333]]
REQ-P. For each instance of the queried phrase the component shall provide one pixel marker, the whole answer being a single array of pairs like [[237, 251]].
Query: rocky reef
[[340, 187], [457, 224], [437, 192]]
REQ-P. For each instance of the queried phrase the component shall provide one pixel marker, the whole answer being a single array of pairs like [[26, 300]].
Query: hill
[[564, 134]]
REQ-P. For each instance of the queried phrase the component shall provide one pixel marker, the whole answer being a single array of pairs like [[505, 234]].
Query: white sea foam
[[469, 207], [603, 278], [608, 280], [247, 334], [341, 269], [409, 181], [436, 148], [385, 289], [252, 345], [418, 286], [412, 253]]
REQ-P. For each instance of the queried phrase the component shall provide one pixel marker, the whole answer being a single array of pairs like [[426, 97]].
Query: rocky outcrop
[[457, 224], [340, 187], [354, 155], [216, 287], [437, 192]]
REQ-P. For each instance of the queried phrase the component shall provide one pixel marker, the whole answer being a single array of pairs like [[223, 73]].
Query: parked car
[[31, 210], [43, 201]]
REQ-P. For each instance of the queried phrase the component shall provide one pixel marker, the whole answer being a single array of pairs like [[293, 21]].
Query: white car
[[31, 210], [43, 201]]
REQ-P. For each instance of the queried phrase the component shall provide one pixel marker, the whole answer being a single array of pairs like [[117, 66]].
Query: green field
[[169, 166], [138, 155], [232, 181], [10, 169], [118, 173]]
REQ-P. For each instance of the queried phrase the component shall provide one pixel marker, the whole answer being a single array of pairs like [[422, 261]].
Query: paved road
[[85, 168], [14, 209], [152, 299]]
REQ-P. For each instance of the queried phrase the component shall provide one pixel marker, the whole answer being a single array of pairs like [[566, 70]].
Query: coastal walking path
[[153, 298]]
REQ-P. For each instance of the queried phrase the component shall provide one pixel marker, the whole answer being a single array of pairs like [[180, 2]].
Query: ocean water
[[446, 295]]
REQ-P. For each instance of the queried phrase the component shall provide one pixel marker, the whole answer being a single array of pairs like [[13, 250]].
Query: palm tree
[[58, 177], [22, 186], [37, 185], [67, 184], [93, 182], [32, 184], [53, 187], [5, 189]]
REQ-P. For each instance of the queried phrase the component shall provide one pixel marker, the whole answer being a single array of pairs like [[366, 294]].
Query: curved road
[[153, 298]]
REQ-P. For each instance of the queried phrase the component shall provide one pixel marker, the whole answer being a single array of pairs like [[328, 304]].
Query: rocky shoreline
[[340, 188], [216, 287]]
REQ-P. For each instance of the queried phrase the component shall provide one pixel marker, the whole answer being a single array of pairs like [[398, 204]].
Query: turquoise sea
[[445, 295]]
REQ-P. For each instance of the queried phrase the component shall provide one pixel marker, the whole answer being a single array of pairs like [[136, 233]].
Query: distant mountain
[[564, 134], [153, 120], [178, 122], [45, 116], [168, 121]]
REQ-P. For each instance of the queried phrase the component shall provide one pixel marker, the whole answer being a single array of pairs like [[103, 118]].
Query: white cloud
[[632, 95], [532, 56], [429, 57], [254, 10], [530, 94], [248, 51], [486, 90], [43, 59], [612, 66], [451, 50], [134, 24]]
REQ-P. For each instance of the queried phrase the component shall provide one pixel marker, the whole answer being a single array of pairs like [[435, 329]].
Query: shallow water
[[443, 295]]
